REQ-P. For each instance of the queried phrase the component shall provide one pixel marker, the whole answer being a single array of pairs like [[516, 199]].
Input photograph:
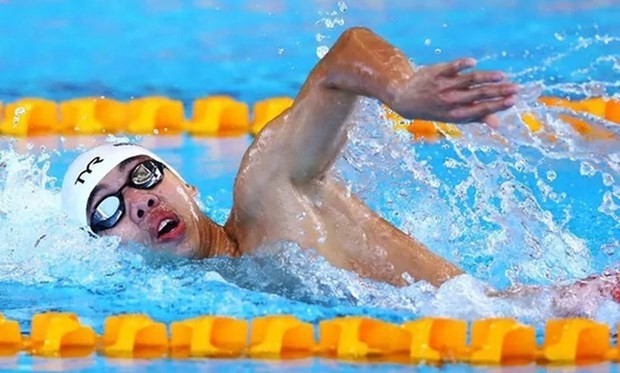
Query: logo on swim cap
[[89, 168]]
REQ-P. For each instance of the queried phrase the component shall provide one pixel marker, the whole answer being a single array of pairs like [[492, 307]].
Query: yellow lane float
[[224, 116]]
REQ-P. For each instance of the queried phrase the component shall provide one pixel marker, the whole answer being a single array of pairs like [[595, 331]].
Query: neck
[[214, 241]]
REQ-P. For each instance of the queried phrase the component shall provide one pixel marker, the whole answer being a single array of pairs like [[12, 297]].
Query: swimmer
[[284, 189]]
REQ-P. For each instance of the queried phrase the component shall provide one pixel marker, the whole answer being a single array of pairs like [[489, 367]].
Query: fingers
[[455, 67], [484, 92], [480, 110], [476, 78], [491, 121], [479, 102]]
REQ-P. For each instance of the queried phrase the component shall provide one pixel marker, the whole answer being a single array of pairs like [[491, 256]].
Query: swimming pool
[[555, 219]]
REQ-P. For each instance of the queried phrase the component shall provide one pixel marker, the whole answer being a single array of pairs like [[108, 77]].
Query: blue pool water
[[507, 207]]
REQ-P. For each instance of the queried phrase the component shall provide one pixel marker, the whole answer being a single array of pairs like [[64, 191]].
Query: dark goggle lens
[[110, 210], [146, 175], [107, 213]]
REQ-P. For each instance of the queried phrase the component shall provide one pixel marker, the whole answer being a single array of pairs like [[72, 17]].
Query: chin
[[186, 250]]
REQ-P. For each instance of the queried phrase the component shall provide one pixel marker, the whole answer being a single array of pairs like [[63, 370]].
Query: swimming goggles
[[109, 211]]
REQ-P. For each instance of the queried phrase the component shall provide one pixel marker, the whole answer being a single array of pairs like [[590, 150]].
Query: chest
[[326, 219]]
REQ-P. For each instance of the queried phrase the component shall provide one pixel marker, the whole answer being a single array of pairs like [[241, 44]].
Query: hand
[[584, 296], [444, 93]]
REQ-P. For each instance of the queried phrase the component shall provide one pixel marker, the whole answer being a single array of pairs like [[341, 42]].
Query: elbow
[[356, 31], [352, 37], [343, 52]]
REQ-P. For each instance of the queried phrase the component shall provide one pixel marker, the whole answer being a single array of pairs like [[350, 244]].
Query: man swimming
[[284, 190]]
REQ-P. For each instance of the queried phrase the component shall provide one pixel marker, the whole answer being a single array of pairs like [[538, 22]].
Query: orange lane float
[[612, 111], [92, 116], [421, 129], [281, 336], [432, 131], [155, 115], [29, 117], [134, 335], [575, 341], [59, 334], [502, 341], [208, 336], [596, 106], [493, 342], [219, 115], [267, 110], [437, 339], [586, 130], [10, 337], [362, 337], [532, 122], [225, 116]]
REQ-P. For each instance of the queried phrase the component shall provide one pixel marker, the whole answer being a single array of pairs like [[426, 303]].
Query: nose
[[139, 202]]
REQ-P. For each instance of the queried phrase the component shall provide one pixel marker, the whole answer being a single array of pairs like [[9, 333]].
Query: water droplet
[[520, 165], [559, 37], [408, 278], [427, 42], [18, 113], [280, 51], [586, 169], [319, 37], [321, 51], [445, 25], [551, 175], [342, 6], [608, 180], [326, 22], [451, 163], [437, 51], [611, 247], [331, 22]]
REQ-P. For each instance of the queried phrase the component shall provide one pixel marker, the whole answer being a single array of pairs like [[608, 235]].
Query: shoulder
[[260, 174]]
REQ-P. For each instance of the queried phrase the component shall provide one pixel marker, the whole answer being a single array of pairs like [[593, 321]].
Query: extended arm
[[312, 133], [298, 147]]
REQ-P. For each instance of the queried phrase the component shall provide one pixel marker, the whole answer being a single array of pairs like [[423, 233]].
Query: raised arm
[[307, 139]]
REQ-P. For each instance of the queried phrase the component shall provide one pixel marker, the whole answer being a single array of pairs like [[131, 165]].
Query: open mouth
[[166, 226]]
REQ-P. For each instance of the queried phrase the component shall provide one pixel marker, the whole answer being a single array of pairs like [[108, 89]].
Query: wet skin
[[284, 189]]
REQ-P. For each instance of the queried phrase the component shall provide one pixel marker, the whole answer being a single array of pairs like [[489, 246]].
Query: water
[[505, 205]]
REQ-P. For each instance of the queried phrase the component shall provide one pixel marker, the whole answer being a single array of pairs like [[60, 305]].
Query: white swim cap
[[89, 168]]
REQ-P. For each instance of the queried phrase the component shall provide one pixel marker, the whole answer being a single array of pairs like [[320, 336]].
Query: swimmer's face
[[141, 201]]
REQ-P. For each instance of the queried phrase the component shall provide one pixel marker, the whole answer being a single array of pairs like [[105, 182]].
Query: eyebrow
[[123, 164]]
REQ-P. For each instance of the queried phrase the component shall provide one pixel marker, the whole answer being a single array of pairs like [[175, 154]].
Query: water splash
[[491, 190], [37, 244], [597, 77], [42, 253], [330, 20], [507, 205]]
